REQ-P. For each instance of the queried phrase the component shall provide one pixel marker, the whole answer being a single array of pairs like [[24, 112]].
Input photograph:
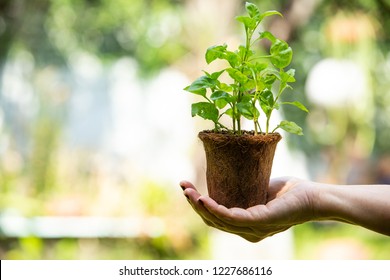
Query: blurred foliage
[[41, 176], [169, 230], [319, 240], [160, 248], [53, 30], [355, 31]]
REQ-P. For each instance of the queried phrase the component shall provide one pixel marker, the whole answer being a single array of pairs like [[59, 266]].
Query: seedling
[[258, 80]]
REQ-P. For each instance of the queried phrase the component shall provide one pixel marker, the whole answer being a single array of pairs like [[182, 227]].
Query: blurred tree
[[306, 26], [48, 35], [23, 27], [146, 30], [52, 30], [153, 32]]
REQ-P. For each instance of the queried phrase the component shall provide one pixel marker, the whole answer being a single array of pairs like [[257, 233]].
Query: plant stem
[[256, 123], [239, 125], [221, 125], [234, 117], [255, 119], [267, 124], [269, 115]]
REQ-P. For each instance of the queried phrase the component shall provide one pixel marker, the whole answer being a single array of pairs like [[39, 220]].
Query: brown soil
[[239, 167]]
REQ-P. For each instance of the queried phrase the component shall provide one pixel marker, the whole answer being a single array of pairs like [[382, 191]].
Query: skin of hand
[[293, 201], [289, 203]]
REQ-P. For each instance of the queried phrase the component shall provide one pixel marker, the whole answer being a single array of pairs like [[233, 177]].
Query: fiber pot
[[239, 166]]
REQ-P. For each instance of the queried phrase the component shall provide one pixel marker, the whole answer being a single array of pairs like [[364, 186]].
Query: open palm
[[288, 204]]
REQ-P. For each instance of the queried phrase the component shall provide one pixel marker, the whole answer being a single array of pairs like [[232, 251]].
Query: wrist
[[327, 202], [318, 200]]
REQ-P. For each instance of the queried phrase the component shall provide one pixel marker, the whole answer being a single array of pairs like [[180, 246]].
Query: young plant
[[257, 80]]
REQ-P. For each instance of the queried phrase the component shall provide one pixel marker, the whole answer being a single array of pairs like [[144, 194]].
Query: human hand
[[289, 203]]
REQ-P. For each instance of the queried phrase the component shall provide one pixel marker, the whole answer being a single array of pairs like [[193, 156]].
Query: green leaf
[[221, 52], [243, 52], [215, 75], [199, 91], [247, 110], [258, 67], [200, 85], [268, 35], [252, 10], [281, 54], [269, 80], [288, 77], [237, 75], [249, 85], [215, 52], [248, 22], [221, 103], [285, 78], [219, 94], [265, 82], [269, 13], [205, 110], [229, 112], [298, 105], [232, 58], [291, 127], [221, 98], [225, 87], [267, 101]]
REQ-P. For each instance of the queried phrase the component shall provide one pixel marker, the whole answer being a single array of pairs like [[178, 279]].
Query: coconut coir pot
[[239, 166]]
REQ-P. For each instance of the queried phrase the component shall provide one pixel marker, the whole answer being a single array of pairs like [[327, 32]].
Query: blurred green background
[[96, 131]]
